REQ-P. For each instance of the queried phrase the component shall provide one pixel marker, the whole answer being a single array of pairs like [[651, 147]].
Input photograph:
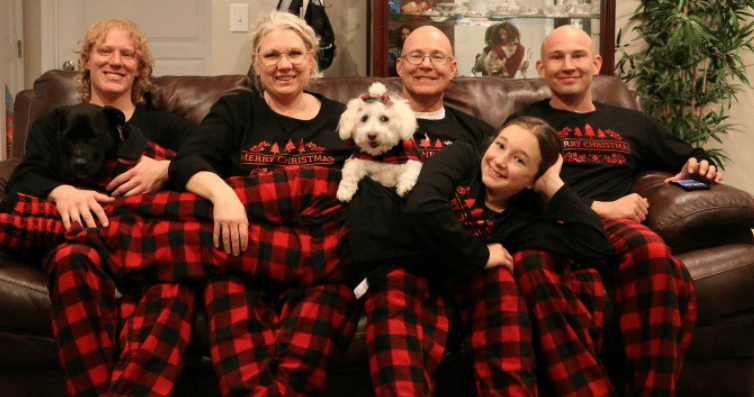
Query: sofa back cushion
[[187, 96], [491, 99]]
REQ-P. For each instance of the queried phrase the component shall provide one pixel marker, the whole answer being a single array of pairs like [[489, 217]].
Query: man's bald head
[[424, 83], [567, 33], [428, 35], [568, 63]]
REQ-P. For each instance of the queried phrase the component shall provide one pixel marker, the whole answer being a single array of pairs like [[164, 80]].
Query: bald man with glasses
[[407, 318]]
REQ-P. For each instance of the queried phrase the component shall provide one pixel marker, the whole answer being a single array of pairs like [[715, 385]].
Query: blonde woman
[[270, 335]]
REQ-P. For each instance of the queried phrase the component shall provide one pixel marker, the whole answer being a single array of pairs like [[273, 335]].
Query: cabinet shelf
[[467, 33], [493, 17]]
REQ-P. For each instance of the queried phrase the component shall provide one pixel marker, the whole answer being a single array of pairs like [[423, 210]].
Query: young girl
[[472, 215]]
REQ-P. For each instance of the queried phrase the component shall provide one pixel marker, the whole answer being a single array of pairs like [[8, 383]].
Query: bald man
[[426, 68], [407, 321], [605, 148]]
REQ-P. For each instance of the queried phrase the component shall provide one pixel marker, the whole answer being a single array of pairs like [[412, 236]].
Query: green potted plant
[[688, 66]]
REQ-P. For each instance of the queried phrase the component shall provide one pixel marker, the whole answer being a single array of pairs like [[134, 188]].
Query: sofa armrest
[[689, 220], [6, 168]]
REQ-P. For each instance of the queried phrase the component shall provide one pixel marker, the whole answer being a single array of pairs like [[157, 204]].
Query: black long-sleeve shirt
[[39, 171], [242, 135], [451, 182], [606, 149]]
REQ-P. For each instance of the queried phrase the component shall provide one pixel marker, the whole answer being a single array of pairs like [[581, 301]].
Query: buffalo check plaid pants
[[407, 332], [655, 302], [298, 253], [498, 332], [131, 346], [276, 344]]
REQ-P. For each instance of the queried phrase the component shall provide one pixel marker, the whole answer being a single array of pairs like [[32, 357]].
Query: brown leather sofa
[[709, 230]]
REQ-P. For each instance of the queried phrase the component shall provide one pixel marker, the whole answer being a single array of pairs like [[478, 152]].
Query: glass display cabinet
[[490, 37]]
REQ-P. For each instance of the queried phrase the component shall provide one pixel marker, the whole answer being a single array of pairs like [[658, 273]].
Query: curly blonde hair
[[95, 35]]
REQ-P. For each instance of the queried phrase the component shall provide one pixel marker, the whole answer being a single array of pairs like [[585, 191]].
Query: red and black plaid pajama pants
[[655, 303], [297, 242], [498, 333], [407, 331], [266, 344], [566, 305], [131, 346]]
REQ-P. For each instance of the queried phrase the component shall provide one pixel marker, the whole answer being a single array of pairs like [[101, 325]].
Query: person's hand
[[499, 256], [632, 206], [79, 205], [549, 182], [702, 171], [147, 176], [231, 223]]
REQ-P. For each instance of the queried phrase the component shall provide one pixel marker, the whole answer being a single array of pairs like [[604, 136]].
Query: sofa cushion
[[491, 99], [187, 96], [724, 280], [25, 301], [722, 214], [193, 96]]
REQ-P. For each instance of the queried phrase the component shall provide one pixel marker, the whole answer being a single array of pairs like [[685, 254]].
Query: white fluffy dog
[[382, 128]]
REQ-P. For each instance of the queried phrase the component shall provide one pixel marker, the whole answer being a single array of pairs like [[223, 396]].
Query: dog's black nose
[[80, 166], [372, 136], [79, 162]]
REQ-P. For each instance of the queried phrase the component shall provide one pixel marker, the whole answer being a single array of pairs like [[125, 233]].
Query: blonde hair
[[284, 20], [95, 35]]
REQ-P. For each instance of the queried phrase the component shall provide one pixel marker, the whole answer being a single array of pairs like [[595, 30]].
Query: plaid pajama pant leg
[[86, 320], [499, 334], [406, 334], [154, 341], [266, 345], [657, 307], [566, 306]]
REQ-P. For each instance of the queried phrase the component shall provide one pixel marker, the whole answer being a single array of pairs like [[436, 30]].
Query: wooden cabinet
[[473, 27]]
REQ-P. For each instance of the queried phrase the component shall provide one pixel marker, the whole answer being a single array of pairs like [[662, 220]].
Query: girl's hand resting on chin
[[549, 183]]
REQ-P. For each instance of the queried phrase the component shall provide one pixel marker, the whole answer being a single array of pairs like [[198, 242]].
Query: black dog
[[88, 135]]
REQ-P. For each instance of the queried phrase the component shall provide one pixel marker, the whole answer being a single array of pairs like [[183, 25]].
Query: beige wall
[[232, 51], [32, 41], [738, 146]]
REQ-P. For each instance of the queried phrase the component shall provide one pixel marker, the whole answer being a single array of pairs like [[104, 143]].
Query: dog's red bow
[[384, 98]]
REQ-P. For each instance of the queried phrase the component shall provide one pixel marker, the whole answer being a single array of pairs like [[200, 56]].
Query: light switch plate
[[239, 17]]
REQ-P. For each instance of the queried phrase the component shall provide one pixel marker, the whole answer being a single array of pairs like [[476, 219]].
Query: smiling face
[[510, 164], [283, 79], [113, 66], [424, 84], [568, 64]]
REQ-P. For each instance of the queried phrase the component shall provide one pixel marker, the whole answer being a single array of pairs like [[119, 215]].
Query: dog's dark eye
[[384, 119], [364, 118]]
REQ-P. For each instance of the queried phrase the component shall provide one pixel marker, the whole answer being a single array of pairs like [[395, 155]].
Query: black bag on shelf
[[292, 6], [316, 17]]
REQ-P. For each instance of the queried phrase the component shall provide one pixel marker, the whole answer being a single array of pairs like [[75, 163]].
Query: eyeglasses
[[295, 57], [437, 58]]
